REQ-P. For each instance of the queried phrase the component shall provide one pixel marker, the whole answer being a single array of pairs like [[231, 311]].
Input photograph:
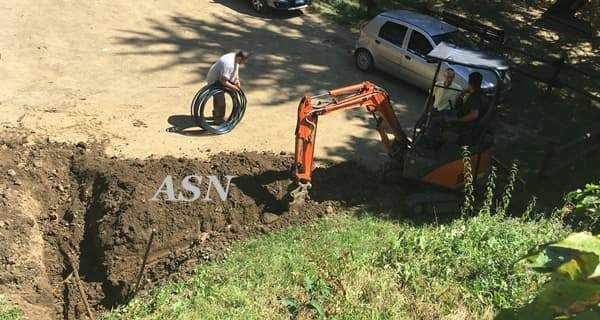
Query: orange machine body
[[374, 99], [451, 175], [446, 170]]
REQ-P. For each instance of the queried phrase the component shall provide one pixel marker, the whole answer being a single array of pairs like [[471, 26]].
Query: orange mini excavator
[[439, 163]]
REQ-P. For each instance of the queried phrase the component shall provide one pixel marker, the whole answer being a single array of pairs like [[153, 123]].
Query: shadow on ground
[[285, 56], [185, 125], [295, 56], [291, 55]]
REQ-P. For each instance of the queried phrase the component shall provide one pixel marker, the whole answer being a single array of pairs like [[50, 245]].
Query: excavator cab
[[440, 164]]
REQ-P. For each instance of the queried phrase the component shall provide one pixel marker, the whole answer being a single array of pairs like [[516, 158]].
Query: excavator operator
[[475, 105], [466, 113]]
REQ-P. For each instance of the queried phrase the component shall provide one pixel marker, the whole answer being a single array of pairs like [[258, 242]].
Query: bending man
[[226, 72]]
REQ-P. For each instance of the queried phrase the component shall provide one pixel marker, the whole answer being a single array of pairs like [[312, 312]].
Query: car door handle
[[407, 57], [377, 41]]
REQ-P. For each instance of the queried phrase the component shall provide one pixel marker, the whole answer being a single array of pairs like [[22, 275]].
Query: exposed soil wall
[[59, 200]]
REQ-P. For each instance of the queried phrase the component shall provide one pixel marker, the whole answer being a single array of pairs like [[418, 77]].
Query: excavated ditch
[[66, 207]]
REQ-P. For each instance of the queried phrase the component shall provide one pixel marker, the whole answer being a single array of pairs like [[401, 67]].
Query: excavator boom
[[363, 95]]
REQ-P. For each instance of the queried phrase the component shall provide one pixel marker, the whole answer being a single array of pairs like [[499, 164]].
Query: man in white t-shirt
[[446, 92], [226, 72]]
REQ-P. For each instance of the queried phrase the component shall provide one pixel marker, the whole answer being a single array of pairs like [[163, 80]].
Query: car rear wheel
[[259, 6], [364, 60]]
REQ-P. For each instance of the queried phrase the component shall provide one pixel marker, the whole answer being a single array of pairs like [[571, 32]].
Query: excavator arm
[[363, 95]]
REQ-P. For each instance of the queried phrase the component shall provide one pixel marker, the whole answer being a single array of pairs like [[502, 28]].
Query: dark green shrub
[[582, 208]]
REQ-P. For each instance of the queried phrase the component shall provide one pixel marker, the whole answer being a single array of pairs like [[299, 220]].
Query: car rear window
[[419, 44], [393, 33]]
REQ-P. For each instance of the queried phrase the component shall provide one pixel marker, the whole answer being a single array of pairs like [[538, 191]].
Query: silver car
[[398, 42], [263, 5]]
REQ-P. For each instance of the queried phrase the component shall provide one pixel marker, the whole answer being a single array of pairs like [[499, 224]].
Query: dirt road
[[124, 72]]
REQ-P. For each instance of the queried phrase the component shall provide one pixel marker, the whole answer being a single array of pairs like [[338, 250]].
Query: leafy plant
[[315, 289], [487, 207], [530, 208], [293, 306], [573, 291], [582, 207], [490, 186], [509, 188], [469, 190]]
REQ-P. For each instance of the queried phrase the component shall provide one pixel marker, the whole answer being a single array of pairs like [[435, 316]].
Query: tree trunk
[[595, 17]]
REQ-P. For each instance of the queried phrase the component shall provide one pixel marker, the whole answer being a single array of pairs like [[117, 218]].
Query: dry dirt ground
[[119, 75], [124, 72]]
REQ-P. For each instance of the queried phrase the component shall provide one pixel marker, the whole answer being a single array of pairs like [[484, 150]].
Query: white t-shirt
[[224, 67], [445, 98]]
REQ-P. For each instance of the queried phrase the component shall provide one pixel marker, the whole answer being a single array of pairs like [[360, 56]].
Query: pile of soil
[[70, 206]]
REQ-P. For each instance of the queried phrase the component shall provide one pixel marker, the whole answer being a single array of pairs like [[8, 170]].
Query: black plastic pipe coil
[[203, 96]]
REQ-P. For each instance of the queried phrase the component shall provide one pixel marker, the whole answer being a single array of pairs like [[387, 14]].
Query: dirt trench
[[61, 200]]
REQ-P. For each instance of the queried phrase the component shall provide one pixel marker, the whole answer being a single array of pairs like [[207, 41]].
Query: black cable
[[203, 96]]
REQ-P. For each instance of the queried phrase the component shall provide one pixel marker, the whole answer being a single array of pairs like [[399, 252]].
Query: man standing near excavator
[[225, 72]]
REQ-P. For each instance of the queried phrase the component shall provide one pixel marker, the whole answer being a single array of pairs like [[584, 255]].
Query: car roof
[[429, 24], [469, 58]]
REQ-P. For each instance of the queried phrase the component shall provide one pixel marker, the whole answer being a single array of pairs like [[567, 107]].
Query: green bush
[[582, 208]]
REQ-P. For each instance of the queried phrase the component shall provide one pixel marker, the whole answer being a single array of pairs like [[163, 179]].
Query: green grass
[[9, 311], [347, 267]]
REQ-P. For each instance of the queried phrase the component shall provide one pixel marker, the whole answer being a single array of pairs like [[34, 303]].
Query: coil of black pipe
[[199, 104]]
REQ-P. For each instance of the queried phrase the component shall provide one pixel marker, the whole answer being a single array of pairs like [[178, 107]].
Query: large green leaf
[[569, 297], [559, 299], [574, 289], [576, 256], [581, 267], [527, 312], [592, 314], [582, 241], [596, 273], [547, 258]]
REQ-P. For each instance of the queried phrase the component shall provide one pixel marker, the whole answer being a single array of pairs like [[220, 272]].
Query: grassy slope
[[361, 268]]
